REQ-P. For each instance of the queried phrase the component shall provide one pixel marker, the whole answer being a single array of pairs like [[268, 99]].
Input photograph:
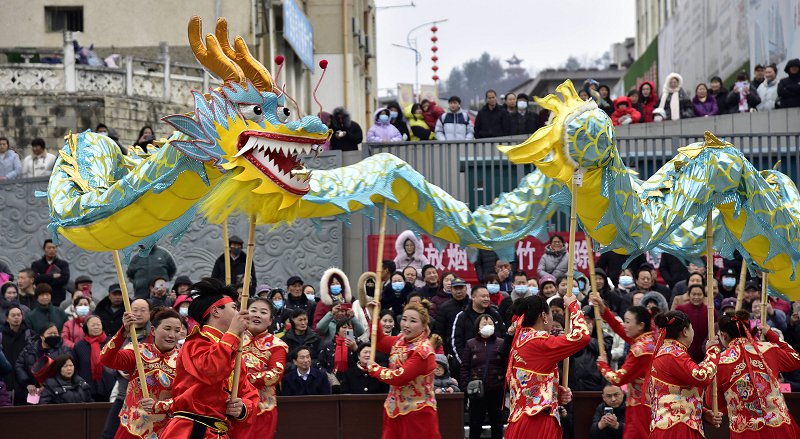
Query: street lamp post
[[417, 55]]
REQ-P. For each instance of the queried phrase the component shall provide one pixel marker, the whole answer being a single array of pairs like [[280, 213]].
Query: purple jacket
[[707, 108], [383, 131]]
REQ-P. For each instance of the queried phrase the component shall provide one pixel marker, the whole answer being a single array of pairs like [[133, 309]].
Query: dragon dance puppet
[[239, 152]]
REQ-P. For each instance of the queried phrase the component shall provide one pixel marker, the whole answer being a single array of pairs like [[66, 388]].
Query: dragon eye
[[252, 112], [283, 113]]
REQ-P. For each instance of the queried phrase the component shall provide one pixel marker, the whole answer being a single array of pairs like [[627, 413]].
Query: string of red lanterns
[[434, 58]]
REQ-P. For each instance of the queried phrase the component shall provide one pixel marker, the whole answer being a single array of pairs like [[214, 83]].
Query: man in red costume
[[203, 407]]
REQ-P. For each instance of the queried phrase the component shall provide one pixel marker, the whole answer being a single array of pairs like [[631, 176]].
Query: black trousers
[[491, 404]]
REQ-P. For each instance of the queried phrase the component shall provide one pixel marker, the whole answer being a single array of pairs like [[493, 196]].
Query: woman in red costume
[[635, 371], [747, 380], [202, 404], [532, 374], [264, 356], [146, 417], [410, 407], [677, 383]]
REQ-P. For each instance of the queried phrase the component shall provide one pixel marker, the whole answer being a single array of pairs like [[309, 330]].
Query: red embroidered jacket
[[204, 375], [410, 373], [752, 391], [159, 370], [677, 385], [264, 356], [635, 371], [533, 379]]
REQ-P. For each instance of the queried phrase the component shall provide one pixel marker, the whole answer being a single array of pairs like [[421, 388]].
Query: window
[[61, 18]]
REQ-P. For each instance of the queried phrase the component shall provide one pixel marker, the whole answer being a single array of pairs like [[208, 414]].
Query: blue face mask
[[626, 281], [576, 290], [728, 282], [183, 311], [383, 118], [311, 297], [336, 290], [533, 290], [398, 286], [278, 304], [393, 115], [520, 289], [493, 288], [582, 284]]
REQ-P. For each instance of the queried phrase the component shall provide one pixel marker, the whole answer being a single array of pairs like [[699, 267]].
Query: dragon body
[[238, 152]]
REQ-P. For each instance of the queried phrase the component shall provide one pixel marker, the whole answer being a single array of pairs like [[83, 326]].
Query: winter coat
[[100, 389], [43, 273], [672, 270], [484, 264], [327, 357], [608, 432], [324, 322], [454, 126], [40, 318], [789, 92], [629, 111], [420, 129], [444, 382], [73, 331], [768, 92], [583, 372], [518, 123], [294, 341], [483, 360], [402, 260], [353, 133], [489, 122], [394, 300], [357, 381], [649, 103], [707, 108], [143, 269], [10, 166], [5, 305], [684, 102], [610, 296], [383, 131], [28, 358], [464, 329], [553, 262], [13, 343], [57, 390], [237, 270], [317, 383], [753, 101], [721, 97], [112, 320], [41, 166], [292, 303], [445, 318], [432, 115], [5, 388]]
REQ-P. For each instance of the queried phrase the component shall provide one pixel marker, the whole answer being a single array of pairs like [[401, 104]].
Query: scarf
[[94, 343], [743, 107], [675, 99], [341, 355]]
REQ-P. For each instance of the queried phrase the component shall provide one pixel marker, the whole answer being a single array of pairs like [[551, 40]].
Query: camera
[[608, 411]]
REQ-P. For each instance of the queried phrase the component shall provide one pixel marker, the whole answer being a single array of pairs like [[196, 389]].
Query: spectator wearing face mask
[[383, 131], [336, 304], [47, 344], [464, 325], [728, 281], [181, 305], [483, 360], [73, 328], [395, 294], [521, 120], [397, 120]]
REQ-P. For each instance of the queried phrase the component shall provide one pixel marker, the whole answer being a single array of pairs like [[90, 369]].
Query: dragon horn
[[210, 54], [253, 70]]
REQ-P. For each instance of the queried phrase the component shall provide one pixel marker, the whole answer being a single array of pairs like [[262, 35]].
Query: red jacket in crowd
[[627, 111], [650, 103]]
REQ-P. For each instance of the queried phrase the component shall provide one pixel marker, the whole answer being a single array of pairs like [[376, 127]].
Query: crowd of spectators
[[53, 328]]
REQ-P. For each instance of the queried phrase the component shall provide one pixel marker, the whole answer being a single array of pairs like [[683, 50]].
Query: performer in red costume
[[264, 356], [203, 407], [410, 407], [146, 417], [532, 374], [677, 383], [747, 380], [635, 371]]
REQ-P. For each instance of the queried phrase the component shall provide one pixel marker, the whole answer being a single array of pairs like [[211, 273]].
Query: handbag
[[475, 389]]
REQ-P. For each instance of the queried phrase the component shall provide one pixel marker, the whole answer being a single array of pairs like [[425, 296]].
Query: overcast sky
[[541, 32]]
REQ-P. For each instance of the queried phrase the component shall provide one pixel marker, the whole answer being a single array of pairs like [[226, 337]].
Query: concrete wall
[[759, 122]]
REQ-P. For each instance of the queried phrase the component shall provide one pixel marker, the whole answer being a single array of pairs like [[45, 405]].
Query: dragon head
[[242, 130], [578, 134]]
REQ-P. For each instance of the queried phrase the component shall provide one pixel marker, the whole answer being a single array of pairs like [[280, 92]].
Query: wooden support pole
[[227, 252], [251, 238], [598, 319], [573, 223], [742, 280], [764, 299], [710, 299], [376, 310], [134, 340]]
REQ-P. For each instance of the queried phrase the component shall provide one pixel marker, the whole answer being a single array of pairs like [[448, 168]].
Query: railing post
[[206, 81], [164, 46], [129, 75], [70, 85]]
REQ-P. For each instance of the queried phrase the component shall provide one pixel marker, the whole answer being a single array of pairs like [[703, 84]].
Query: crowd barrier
[[331, 416]]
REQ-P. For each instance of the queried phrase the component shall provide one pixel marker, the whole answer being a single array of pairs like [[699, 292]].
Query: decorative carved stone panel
[[299, 249]]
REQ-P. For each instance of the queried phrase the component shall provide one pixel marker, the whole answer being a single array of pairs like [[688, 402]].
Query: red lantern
[[435, 68], [434, 49], [434, 58], [435, 77], [434, 29], [434, 38]]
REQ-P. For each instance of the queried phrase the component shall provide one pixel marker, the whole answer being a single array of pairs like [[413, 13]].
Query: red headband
[[219, 303]]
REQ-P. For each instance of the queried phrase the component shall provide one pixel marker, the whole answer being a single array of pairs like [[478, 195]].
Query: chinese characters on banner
[[454, 258]]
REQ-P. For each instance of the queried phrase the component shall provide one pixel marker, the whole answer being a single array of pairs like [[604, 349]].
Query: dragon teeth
[[251, 142]]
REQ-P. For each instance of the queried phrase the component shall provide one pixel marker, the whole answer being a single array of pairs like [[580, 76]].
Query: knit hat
[[545, 279], [728, 302]]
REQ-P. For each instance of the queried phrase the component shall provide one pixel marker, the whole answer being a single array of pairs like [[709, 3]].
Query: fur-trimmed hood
[[659, 298], [324, 290], [665, 88], [361, 288], [401, 239]]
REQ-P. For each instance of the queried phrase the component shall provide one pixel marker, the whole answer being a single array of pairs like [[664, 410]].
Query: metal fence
[[476, 172]]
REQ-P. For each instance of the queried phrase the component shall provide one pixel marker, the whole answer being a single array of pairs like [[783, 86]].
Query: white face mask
[[487, 330], [521, 105], [82, 310]]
